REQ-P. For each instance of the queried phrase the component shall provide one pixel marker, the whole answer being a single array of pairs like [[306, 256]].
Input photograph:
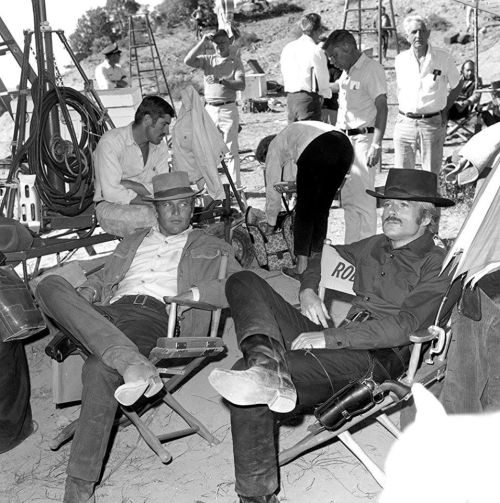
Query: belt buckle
[[138, 301]]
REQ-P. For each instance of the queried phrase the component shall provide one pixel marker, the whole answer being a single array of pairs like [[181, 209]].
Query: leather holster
[[352, 400]]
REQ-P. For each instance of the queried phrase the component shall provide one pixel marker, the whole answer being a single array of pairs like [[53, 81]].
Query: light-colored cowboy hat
[[170, 186]]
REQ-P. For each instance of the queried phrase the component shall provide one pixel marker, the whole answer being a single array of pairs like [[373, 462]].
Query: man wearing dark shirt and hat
[[109, 74], [293, 358]]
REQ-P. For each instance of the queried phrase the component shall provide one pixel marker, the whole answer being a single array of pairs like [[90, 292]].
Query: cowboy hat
[[111, 49], [412, 185], [14, 236], [170, 186]]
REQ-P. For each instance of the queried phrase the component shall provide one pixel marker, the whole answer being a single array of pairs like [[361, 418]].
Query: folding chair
[[335, 274], [171, 350], [465, 127]]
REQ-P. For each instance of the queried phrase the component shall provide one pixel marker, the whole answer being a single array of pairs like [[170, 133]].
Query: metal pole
[[476, 41], [46, 61]]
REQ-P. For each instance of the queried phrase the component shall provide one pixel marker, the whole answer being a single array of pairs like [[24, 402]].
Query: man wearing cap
[[299, 359], [362, 115], [305, 72], [128, 315], [109, 74], [490, 114], [126, 159], [428, 84], [224, 75]]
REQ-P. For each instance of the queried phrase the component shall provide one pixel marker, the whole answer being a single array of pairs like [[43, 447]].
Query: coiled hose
[[64, 169]]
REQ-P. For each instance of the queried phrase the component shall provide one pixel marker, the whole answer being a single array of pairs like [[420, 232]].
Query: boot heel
[[284, 401]]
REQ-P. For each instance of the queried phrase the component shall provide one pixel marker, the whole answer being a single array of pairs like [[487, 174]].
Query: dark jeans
[[321, 169], [303, 106], [15, 410], [472, 382], [98, 328], [316, 373]]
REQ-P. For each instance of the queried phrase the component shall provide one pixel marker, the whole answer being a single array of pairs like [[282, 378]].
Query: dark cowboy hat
[[111, 49], [14, 236], [495, 86], [170, 186], [412, 185]]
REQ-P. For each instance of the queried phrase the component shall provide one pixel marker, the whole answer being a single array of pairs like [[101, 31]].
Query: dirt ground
[[200, 473]]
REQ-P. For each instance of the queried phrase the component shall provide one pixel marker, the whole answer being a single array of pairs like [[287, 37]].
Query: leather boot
[[270, 498], [140, 376], [266, 381], [78, 491]]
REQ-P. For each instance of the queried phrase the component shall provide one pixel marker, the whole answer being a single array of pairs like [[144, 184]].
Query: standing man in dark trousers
[[305, 72], [428, 85]]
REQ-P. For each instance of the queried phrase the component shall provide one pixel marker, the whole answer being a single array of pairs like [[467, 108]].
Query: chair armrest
[[425, 335], [194, 304]]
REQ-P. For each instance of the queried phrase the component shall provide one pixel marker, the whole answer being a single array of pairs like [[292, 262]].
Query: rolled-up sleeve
[[109, 172]]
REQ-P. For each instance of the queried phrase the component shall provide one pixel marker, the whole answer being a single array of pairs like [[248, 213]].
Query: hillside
[[272, 33]]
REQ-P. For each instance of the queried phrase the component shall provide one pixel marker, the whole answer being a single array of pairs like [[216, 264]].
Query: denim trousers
[[472, 382], [123, 219], [360, 209], [98, 329], [316, 373], [425, 135], [303, 106], [227, 120]]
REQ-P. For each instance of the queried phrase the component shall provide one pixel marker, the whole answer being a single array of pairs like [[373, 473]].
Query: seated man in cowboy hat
[[129, 315], [109, 74], [293, 358]]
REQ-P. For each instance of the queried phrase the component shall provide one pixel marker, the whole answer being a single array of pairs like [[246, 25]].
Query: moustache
[[392, 219]]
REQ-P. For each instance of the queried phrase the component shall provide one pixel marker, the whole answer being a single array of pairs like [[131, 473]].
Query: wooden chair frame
[[197, 349]]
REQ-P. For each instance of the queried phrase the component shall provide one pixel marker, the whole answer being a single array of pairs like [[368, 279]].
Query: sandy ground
[[199, 473]]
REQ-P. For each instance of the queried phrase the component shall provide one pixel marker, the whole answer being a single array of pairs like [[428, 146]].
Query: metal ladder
[[147, 70], [361, 29], [9, 45]]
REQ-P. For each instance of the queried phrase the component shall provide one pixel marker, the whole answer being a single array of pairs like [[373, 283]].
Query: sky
[[61, 14]]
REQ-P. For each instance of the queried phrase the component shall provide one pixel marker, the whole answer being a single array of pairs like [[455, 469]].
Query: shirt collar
[[129, 137], [156, 234], [359, 62], [419, 247]]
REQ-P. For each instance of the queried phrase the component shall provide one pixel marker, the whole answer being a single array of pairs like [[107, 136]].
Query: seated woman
[[468, 96], [318, 156]]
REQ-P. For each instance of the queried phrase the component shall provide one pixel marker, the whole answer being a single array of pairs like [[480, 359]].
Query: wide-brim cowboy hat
[[412, 185], [14, 236], [111, 49], [170, 186]]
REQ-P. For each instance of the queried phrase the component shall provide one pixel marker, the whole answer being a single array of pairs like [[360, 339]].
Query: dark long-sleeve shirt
[[401, 288]]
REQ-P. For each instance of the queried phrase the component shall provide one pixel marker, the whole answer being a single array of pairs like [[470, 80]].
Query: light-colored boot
[[267, 380]]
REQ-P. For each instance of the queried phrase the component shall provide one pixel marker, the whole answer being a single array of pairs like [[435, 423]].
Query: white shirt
[[358, 90], [106, 76], [117, 157], [424, 88], [304, 67], [282, 156], [153, 271]]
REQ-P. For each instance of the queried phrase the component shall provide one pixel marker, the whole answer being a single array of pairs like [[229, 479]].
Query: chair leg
[[379, 476], [149, 437], [388, 425], [65, 434], [190, 419]]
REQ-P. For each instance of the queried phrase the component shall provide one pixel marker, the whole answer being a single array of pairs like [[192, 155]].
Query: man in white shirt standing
[[109, 74], [305, 72], [224, 76], [362, 116], [126, 159], [428, 84]]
